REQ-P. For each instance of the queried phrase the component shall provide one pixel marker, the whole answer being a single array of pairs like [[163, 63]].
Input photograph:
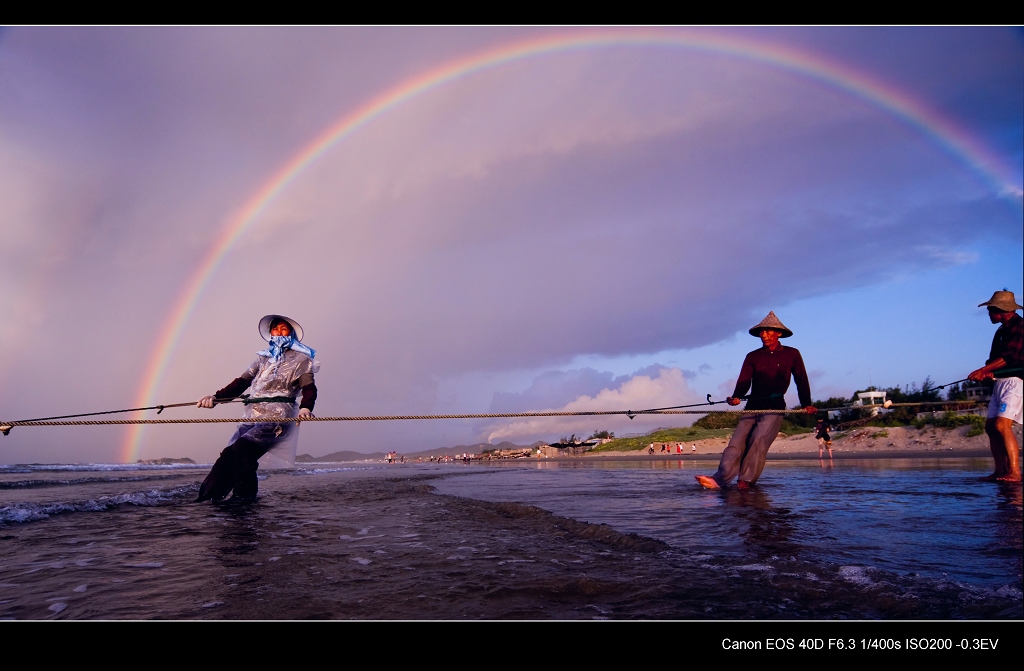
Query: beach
[[861, 443]]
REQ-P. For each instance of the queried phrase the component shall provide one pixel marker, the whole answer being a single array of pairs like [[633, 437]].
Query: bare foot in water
[[1009, 477], [708, 482], [743, 484]]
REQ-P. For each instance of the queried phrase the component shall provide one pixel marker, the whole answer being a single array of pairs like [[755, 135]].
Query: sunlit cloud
[[639, 392]]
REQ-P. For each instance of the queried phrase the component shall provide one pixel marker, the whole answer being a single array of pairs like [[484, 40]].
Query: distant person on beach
[[1006, 407], [274, 380], [824, 440], [769, 369]]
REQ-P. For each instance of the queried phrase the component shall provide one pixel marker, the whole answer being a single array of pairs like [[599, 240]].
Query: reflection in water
[[767, 531], [239, 532]]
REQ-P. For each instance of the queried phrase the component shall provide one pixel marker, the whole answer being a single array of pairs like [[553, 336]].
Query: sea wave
[[336, 469], [41, 482], [21, 512], [57, 468]]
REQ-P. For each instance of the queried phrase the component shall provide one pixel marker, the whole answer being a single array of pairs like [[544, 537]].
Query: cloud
[[552, 389], [638, 392], [701, 370], [954, 258]]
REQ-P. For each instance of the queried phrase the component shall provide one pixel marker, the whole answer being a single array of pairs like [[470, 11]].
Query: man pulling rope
[[769, 370], [274, 379], [1006, 406]]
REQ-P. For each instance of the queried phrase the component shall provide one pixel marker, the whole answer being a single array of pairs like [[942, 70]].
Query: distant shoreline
[[870, 442], [901, 442], [782, 456], [934, 453]]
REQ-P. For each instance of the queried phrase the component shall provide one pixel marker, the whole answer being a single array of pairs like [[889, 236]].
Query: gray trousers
[[748, 448]]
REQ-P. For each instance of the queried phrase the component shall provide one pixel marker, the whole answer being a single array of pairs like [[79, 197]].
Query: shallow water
[[928, 517], [623, 540]]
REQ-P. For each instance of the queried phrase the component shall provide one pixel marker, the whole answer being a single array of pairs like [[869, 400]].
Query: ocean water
[[585, 539]]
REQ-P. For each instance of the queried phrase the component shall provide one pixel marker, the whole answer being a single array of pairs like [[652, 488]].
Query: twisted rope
[[491, 415], [384, 418]]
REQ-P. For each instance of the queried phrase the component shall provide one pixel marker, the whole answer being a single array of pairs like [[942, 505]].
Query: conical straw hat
[[771, 322]]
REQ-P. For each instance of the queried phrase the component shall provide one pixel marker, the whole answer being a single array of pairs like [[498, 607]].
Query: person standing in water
[[1006, 406], [769, 369], [274, 380]]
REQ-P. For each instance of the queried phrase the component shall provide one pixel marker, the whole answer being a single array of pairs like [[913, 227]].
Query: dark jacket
[[769, 372]]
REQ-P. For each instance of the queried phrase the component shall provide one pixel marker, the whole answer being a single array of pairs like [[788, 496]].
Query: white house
[[873, 399]]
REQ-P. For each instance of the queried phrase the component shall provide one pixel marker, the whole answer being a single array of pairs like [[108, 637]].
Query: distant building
[[873, 399], [870, 398], [979, 392]]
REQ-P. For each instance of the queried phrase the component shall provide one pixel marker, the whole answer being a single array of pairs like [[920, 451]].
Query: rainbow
[[945, 132]]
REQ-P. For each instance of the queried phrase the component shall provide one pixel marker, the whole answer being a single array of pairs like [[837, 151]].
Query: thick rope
[[244, 398], [500, 415]]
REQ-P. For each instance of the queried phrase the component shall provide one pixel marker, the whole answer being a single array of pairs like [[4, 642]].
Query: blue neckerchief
[[278, 344]]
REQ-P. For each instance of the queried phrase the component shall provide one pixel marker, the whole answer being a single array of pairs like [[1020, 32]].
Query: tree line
[[928, 392]]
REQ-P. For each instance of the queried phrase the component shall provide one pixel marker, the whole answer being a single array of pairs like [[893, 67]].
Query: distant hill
[[348, 455], [345, 455], [164, 461]]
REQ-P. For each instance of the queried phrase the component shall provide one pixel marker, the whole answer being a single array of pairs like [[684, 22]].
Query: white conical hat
[[771, 322], [270, 319]]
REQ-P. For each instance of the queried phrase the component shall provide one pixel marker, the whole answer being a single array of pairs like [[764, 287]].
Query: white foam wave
[[39, 468], [855, 574], [39, 483], [1010, 592], [338, 469], [29, 512], [981, 593]]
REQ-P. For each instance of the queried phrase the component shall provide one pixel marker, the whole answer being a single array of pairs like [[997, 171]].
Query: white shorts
[[1006, 400]]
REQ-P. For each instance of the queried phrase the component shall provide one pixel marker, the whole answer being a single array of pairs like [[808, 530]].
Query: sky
[[491, 219]]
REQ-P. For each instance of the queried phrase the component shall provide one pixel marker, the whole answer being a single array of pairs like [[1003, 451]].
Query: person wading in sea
[[274, 380], [1006, 406], [769, 370]]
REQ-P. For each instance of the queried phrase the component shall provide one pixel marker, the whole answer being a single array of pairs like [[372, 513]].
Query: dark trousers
[[235, 469], [748, 448]]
